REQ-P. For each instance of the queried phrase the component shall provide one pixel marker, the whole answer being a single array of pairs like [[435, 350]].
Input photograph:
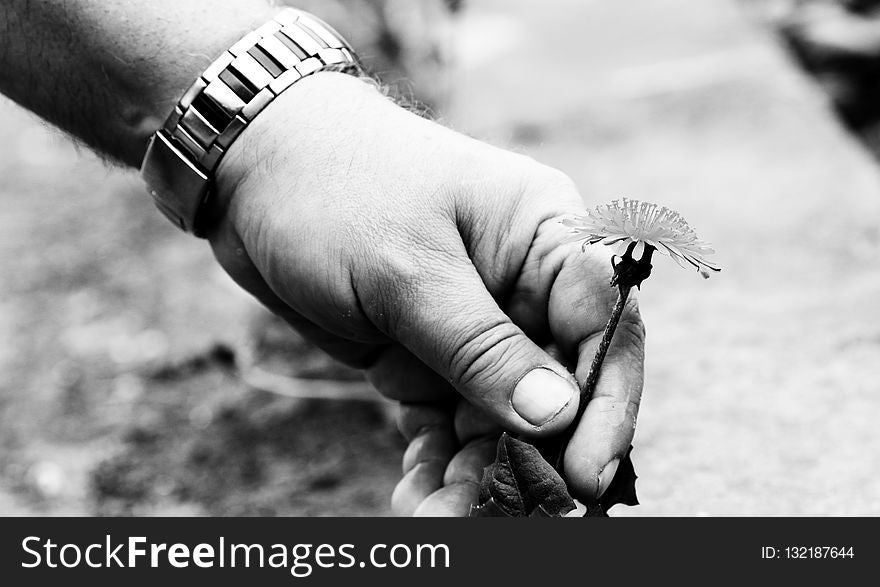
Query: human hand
[[437, 264]]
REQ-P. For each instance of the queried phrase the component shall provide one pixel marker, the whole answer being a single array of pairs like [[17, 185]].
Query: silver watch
[[182, 155]]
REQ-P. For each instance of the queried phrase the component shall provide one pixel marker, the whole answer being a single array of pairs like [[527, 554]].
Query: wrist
[[183, 156], [184, 60], [321, 112], [108, 72]]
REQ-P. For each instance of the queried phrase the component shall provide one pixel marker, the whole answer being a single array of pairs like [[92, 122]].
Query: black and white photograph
[[440, 258]]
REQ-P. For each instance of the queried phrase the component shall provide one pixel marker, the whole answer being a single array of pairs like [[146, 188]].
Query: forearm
[[110, 71]]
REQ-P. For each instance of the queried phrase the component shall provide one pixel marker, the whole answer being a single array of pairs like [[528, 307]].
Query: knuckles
[[552, 189], [475, 354]]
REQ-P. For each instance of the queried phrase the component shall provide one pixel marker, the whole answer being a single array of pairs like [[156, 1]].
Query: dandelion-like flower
[[632, 225]]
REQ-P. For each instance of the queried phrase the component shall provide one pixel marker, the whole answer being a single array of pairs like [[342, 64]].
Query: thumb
[[445, 316]]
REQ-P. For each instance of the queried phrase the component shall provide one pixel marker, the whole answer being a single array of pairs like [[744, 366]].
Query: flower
[[630, 222]]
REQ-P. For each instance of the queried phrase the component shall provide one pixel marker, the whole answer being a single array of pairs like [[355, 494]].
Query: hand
[[449, 446], [436, 263]]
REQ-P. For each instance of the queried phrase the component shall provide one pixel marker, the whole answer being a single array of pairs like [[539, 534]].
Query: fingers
[[437, 307], [461, 482], [467, 465], [473, 423], [416, 418], [415, 487], [399, 375], [432, 444], [451, 501], [572, 287], [578, 314], [440, 479], [606, 429]]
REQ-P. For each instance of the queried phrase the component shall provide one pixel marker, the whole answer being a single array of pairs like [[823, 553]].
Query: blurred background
[[136, 378]]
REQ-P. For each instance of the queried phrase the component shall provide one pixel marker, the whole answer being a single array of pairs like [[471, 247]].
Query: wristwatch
[[183, 155]]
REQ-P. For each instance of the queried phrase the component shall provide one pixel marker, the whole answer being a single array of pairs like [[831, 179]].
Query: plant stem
[[590, 384], [628, 273]]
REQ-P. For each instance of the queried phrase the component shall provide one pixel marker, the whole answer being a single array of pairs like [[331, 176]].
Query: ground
[[122, 342]]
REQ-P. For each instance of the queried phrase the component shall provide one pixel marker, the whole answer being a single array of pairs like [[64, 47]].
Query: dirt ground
[[118, 392]]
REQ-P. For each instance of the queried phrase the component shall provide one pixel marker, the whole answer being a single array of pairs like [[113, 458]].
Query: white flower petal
[[639, 250], [624, 221], [620, 248]]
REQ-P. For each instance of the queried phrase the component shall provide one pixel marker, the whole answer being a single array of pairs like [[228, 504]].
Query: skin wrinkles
[[372, 231], [472, 357]]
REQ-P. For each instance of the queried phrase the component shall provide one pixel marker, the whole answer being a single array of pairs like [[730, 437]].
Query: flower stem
[[628, 273], [590, 384]]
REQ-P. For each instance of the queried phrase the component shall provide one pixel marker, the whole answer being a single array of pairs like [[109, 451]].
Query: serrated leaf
[[521, 483], [621, 490], [623, 487]]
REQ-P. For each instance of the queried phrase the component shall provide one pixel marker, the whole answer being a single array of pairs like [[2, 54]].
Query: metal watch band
[[182, 155]]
